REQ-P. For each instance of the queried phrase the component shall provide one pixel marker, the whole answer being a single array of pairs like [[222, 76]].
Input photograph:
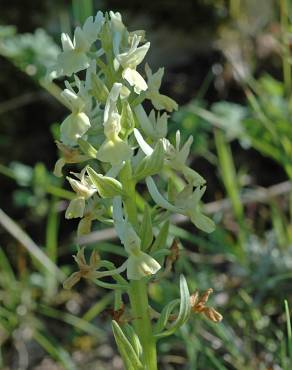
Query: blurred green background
[[228, 65]]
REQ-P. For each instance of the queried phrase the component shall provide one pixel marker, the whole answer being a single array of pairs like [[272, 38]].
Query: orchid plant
[[120, 144]]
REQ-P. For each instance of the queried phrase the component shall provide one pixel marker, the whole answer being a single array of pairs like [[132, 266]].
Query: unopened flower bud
[[81, 188], [152, 164], [107, 187]]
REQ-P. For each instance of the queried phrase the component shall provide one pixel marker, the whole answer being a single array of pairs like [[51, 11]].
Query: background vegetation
[[228, 64]]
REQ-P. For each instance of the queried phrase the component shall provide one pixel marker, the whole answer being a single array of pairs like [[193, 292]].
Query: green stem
[[142, 323], [137, 291]]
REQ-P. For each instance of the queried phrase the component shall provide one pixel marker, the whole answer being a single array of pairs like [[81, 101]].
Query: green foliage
[[27, 51]]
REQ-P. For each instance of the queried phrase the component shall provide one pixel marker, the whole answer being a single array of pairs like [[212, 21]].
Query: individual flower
[[153, 126], [77, 123], [138, 264], [198, 304], [84, 89], [129, 61], [69, 155], [159, 101], [89, 270], [84, 190], [176, 157], [187, 203], [74, 57], [113, 150], [94, 210], [121, 37]]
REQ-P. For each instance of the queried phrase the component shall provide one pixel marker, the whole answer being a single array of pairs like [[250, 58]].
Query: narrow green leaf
[[87, 148], [160, 240], [126, 350], [133, 338], [6, 268], [164, 316], [151, 164], [184, 310]]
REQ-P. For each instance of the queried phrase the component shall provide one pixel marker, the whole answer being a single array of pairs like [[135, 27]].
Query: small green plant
[[121, 149]]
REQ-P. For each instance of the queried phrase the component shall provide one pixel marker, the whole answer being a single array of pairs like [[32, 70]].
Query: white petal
[[66, 42], [92, 28], [135, 79], [142, 143], [116, 22], [115, 91], [81, 189], [80, 42], [135, 55], [71, 61], [73, 99]]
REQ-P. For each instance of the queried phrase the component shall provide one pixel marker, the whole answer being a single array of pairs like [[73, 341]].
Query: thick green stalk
[[142, 323], [138, 288], [140, 311]]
